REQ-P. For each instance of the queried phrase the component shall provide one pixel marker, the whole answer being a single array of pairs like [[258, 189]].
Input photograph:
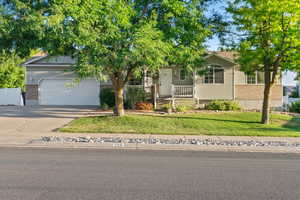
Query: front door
[[165, 82]]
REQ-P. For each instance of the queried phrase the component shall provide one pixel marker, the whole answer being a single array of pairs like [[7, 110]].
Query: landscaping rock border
[[159, 141]]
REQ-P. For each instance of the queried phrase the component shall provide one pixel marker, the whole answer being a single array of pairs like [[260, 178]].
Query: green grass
[[234, 124]]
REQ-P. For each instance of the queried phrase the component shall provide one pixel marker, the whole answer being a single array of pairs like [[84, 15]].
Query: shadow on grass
[[293, 124], [209, 119]]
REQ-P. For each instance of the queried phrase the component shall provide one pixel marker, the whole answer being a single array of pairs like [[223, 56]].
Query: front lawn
[[239, 123]]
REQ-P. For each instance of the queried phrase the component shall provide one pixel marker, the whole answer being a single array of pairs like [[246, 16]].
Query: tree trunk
[[265, 119], [119, 100]]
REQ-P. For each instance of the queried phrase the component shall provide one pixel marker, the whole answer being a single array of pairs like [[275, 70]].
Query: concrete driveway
[[35, 121]]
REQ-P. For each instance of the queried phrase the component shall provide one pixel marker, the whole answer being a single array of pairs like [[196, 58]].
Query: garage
[[66, 92]]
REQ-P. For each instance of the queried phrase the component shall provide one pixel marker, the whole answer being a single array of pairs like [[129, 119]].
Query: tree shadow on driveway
[[46, 111]]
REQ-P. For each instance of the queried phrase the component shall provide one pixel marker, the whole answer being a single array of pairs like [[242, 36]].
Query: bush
[[107, 96], [233, 105], [182, 108], [295, 107], [294, 94], [104, 106], [144, 106], [134, 95], [166, 107], [12, 75], [216, 105], [223, 105]]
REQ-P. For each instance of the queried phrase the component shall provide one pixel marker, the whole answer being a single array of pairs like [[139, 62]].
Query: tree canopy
[[11, 73], [268, 39], [117, 38]]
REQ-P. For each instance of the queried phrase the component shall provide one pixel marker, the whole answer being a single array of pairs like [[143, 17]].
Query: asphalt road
[[77, 174]]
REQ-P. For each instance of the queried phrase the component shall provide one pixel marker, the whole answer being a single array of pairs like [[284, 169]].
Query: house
[[48, 76], [50, 81], [222, 81]]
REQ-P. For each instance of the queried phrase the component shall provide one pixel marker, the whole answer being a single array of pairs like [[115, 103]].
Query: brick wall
[[32, 92], [255, 92]]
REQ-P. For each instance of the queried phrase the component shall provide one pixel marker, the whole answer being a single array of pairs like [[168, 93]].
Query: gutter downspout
[[233, 81], [194, 88]]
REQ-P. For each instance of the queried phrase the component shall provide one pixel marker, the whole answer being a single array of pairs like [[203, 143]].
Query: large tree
[[116, 38], [268, 40], [12, 75]]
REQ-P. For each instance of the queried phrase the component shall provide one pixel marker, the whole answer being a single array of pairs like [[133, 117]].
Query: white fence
[[11, 96], [182, 90]]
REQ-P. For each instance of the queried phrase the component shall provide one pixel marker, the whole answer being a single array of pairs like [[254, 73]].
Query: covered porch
[[176, 83]]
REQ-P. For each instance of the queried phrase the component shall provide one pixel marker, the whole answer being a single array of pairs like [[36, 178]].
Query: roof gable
[[50, 61], [219, 59]]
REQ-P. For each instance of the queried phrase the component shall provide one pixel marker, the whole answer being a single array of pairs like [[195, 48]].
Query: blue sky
[[214, 43]]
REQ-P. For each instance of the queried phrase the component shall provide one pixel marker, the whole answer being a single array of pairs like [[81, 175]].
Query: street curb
[[154, 148]]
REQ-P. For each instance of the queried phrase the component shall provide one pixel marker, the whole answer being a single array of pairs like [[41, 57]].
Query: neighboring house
[[47, 78], [289, 90], [298, 87]]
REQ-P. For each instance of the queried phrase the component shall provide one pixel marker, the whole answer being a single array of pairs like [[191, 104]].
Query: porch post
[[194, 85], [154, 95], [172, 96]]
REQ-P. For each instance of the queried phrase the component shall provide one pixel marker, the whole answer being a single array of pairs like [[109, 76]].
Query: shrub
[[134, 95], [294, 94], [167, 107], [12, 75], [223, 105], [104, 106], [144, 105], [216, 105], [182, 108], [107, 96], [233, 105], [295, 107]]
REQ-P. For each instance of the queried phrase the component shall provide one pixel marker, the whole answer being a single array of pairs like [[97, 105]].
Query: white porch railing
[[182, 91]]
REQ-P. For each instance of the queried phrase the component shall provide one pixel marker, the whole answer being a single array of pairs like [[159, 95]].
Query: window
[[219, 75], [209, 76], [182, 74], [256, 78], [251, 79], [214, 75]]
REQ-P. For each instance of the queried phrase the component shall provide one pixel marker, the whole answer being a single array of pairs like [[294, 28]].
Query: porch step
[[177, 101], [186, 101], [160, 102]]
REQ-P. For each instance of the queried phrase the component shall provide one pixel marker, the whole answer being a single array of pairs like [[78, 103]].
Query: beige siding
[[214, 60], [216, 91], [240, 77]]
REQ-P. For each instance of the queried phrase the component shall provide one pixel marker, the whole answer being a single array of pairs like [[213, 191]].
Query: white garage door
[[63, 92]]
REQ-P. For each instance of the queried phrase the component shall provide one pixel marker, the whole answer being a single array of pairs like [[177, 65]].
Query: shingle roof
[[31, 59], [225, 54]]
